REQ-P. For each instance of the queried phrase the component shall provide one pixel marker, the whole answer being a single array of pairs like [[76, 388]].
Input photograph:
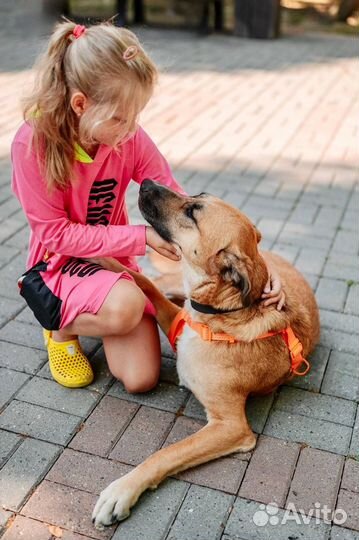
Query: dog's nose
[[147, 185]]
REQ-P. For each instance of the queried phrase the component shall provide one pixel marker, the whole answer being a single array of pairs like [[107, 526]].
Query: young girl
[[73, 159]]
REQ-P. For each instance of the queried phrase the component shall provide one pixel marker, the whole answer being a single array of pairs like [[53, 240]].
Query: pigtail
[[48, 110]]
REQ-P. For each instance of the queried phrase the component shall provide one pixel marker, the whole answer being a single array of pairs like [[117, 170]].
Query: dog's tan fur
[[222, 267]]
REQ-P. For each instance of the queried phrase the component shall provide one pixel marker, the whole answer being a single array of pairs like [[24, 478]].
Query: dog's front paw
[[114, 504]]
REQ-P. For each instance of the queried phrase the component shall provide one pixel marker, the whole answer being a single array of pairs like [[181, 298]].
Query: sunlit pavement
[[272, 128]]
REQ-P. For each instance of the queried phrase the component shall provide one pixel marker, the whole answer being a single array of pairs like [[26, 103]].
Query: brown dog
[[224, 275]]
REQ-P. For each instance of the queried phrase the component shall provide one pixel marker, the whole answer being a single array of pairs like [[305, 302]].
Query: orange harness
[[292, 342]]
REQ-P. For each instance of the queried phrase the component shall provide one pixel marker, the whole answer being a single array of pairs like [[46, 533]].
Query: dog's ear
[[232, 269]]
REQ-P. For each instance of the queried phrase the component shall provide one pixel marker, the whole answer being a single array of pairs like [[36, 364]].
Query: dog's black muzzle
[[152, 204]]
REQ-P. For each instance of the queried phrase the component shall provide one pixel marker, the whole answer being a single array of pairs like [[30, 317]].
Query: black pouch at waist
[[43, 303]]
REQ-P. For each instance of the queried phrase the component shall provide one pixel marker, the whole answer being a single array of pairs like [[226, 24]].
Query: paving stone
[[26, 316], [294, 400], [8, 443], [237, 199], [6, 254], [331, 294], [166, 348], [270, 228], [340, 271], [38, 422], [316, 480], [203, 511], [5, 192], [22, 334], [20, 239], [8, 286], [10, 383], [289, 253], [194, 409], [287, 177], [354, 445], [270, 471], [65, 507], [349, 502], [4, 518], [168, 397], [340, 341], [352, 303], [342, 376], [224, 474], [350, 480], [339, 533], [312, 280], [257, 410], [24, 470], [313, 380], [14, 269], [343, 260], [103, 378], [346, 242], [311, 260], [304, 214], [328, 217], [8, 230], [249, 520], [302, 235], [76, 401], [30, 529], [8, 309], [328, 197], [339, 321], [168, 371], [8, 208], [157, 508], [103, 427], [317, 433], [21, 358], [144, 435], [85, 471]]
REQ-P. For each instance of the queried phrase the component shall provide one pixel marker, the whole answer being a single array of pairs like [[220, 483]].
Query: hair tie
[[78, 31], [130, 53]]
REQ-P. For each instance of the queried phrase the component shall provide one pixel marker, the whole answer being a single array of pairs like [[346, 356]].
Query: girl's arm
[[150, 163], [49, 221]]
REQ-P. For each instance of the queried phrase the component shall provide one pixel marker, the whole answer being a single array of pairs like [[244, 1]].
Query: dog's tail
[[166, 310]]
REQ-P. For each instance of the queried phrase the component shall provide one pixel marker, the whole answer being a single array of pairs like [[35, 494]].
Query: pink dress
[[88, 219]]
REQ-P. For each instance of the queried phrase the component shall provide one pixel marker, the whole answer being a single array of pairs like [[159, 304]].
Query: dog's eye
[[189, 210]]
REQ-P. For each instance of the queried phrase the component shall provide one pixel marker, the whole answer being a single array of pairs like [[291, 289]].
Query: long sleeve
[[150, 163], [50, 222]]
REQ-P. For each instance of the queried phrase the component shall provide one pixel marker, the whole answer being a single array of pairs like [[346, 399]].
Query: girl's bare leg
[[130, 339], [135, 358]]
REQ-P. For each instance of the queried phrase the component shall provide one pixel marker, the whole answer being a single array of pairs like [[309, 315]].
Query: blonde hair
[[94, 64]]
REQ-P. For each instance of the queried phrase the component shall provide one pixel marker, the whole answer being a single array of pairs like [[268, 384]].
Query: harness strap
[[292, 342]]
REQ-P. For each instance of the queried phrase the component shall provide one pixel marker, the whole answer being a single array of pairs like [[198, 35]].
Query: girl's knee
[[137, 384], [124, 308], [140, 386]]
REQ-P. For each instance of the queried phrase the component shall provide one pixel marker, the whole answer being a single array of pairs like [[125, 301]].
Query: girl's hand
[[273, 290], [162, 247]]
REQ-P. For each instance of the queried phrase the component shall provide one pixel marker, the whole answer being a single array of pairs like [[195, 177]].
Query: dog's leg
[[166, 310], [216, 439]]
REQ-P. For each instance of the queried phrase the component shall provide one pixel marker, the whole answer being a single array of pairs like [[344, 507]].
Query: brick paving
[[270, 127]]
